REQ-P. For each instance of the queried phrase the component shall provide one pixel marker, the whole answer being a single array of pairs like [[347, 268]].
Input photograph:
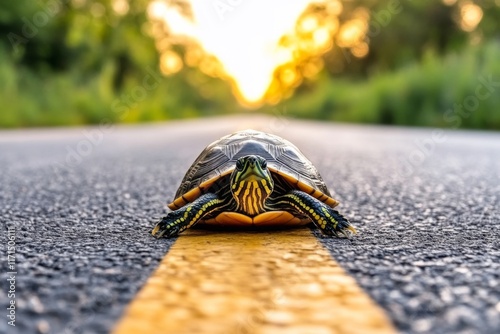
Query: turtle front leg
[[177, 221], [330, 221]]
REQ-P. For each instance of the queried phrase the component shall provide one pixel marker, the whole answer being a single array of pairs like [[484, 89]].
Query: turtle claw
[[155, 231], [348, 231], [338, 224], [339, 232], [162, 229]]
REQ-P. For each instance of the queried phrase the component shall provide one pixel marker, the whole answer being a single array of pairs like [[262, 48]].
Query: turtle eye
[[263, 164], [239, 165]]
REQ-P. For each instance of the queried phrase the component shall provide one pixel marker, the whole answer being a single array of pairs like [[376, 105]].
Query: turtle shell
[[219, 159]]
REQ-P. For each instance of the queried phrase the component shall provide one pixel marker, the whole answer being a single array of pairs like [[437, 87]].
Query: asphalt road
[[82, 202]]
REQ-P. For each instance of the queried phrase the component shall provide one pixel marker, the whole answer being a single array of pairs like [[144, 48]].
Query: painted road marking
[[272, 282]]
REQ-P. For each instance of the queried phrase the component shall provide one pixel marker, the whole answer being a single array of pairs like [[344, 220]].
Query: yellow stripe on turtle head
[[251, 184]]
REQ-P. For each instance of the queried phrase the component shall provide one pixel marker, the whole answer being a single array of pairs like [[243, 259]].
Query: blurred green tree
[[80, 61]]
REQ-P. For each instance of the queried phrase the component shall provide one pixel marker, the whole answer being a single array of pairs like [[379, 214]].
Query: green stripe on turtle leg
[[179, 220], [330, 221]]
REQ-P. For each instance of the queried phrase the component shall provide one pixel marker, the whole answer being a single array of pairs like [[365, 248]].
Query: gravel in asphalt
[[82, 202]]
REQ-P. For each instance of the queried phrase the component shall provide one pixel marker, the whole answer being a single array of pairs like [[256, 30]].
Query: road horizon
[[82, 201]]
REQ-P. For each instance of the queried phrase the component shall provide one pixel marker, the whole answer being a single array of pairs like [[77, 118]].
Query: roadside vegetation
[[461, 89], [89, 63]]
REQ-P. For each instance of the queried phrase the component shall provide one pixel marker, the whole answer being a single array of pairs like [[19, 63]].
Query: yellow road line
[[269, 282]]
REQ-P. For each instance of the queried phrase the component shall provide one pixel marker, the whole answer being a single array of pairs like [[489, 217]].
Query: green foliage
[[422, 94], [79, 62], [68, 98], [60, 65]]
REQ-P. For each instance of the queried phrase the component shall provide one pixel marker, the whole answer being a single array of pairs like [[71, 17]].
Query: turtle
[[252, 178]]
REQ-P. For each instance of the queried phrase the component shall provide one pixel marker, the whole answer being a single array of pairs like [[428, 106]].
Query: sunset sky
[[243, 36]]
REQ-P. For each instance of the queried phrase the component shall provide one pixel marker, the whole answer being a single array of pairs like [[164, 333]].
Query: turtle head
[[251, 183]]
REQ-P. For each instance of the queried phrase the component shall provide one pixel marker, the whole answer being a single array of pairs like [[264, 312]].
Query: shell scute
[[218, 160]]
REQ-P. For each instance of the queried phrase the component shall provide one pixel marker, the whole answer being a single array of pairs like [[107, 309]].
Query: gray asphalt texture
[[427, 249]]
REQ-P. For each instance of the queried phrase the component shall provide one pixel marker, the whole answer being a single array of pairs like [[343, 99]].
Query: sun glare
[[254, 43]]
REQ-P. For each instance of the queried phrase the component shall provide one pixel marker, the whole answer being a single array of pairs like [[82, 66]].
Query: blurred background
[[419, 63]]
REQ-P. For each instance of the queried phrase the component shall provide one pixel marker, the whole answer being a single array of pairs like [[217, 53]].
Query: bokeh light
[[471, 14], [243, 42]]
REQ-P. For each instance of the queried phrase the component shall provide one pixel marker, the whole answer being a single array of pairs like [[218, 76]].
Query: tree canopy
[[82, 61]]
